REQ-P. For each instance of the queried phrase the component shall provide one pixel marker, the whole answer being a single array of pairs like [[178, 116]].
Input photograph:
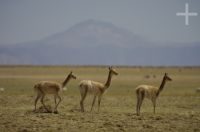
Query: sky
[[156, 20]]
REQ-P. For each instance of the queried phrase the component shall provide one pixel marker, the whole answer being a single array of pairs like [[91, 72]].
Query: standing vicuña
[[95, 88], [48, 87], [149, 92]]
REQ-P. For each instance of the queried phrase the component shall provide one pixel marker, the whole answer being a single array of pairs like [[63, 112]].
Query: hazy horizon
[[23, 21]]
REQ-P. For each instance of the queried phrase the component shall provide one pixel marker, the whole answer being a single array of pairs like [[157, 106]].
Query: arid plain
[[178, 106]]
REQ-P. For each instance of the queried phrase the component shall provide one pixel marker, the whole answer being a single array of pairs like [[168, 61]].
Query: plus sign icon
[[186, 14]]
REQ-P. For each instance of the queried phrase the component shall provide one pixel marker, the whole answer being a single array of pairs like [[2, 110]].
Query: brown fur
[[48, 87], [95, 88], [149, 92]]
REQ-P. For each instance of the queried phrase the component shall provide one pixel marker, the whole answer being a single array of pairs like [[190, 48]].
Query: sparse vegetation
[[177, 110]]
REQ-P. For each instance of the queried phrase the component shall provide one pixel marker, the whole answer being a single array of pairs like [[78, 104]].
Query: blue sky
[[27, 20]]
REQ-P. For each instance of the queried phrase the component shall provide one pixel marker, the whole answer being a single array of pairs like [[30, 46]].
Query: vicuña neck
[[108, 82], [161, 86], [66, 81]]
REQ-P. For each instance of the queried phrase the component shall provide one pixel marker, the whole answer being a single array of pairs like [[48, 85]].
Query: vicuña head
[[167, 78], [48, 87], [113, 70], [150, 92], [70, 76], [95, 88]]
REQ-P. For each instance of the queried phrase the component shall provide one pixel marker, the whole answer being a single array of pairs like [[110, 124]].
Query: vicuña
[[48, 87], [150, 92], [95, 88]]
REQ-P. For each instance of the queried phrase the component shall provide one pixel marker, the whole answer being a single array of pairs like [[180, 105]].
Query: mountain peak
[[94, 22], [94, 33], [92, 25]]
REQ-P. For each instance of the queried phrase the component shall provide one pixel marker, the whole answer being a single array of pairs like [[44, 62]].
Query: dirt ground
[[178, 106], [16, 115]]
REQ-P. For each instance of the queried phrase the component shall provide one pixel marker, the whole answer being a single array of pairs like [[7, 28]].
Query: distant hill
[[100, 43]]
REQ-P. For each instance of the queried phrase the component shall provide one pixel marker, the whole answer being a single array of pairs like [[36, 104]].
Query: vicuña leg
[[141, 100], [137, 106], [55, 110], [42, 101], [36, 100], [83, 95], [94, 99], [154, 106], [55, 96], [99, 102]]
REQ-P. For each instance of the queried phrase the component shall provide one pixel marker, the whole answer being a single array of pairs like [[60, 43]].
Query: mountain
[[100, 43]]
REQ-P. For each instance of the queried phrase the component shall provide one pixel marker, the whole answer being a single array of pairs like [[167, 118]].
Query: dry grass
[[178, 107]]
